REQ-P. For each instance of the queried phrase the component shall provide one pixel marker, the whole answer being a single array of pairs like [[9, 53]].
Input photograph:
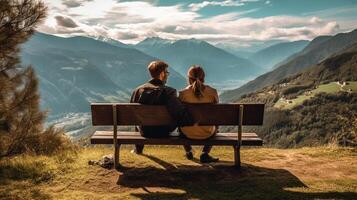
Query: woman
[[198, 92]]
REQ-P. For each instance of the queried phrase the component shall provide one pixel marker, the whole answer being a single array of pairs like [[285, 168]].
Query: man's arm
[[134, 95], [177, 109]]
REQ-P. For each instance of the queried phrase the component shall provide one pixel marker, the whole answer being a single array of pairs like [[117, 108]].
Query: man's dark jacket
[[169, 98]]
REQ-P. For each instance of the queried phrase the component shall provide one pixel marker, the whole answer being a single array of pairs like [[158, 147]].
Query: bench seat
[[134, 114], [221, 139]]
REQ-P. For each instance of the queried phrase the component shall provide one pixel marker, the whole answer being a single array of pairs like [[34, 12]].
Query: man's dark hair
[[156, 67]]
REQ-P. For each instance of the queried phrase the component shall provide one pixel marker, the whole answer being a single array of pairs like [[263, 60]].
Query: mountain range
[[76, 71]]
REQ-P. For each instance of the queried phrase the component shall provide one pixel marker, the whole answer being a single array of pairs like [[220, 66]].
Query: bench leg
[[237, 156], [116, 156]]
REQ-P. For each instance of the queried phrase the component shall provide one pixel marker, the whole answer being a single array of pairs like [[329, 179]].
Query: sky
[[238, 23]]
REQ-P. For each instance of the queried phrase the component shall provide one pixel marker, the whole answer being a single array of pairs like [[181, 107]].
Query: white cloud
[[199, 6], [343, 15], [133, 21], [65, 21], [74, 3]]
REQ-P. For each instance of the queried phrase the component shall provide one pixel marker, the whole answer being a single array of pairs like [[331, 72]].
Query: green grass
[[352, 86], [163, 173], [332, 87]]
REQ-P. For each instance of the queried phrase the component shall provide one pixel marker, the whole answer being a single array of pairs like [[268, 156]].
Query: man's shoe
[[206, 158], [189, 155], [136, 151]]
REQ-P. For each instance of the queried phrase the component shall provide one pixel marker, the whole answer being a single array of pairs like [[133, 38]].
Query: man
[[155, 92]]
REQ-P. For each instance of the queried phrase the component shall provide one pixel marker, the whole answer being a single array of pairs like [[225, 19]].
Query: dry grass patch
[[164, 173]]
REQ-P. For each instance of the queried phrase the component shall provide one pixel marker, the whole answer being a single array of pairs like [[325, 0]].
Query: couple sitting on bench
[[155, 92]]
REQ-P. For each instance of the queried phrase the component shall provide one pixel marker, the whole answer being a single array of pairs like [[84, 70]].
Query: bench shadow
[[217, 181]]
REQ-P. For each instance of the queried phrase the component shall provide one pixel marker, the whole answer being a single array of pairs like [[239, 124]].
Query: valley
[[103, 70]]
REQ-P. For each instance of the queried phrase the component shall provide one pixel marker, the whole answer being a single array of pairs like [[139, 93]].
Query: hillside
[[67, 83], [331, 88], [317, 106], [163, 173], [340, 67], [76, 71], [318, 50]]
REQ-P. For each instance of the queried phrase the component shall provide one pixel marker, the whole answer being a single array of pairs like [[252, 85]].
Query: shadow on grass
[[218, 181]]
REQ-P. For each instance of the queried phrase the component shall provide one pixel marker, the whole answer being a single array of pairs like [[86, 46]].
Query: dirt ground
[[164, 173]]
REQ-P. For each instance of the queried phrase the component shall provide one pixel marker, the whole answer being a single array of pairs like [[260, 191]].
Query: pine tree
[[21, 120]]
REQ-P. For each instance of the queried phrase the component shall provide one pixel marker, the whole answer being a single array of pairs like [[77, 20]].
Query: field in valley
[[333, 87]]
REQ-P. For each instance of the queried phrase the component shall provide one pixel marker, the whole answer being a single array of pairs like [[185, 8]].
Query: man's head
[[158, 69]]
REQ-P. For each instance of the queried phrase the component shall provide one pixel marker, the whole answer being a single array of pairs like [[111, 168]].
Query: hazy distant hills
[[239, 52], [245, 50], [76, 71], [270, 56], [219, 65], [318, 49]]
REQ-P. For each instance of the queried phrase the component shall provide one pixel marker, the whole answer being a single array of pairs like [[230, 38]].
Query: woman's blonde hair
[[196, 78]]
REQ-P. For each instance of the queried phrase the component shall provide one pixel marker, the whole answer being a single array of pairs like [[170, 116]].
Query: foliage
[[294, 89], [323, 119], [21, 120]]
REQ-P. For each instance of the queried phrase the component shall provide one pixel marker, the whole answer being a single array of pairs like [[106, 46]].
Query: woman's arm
[[216, 98]]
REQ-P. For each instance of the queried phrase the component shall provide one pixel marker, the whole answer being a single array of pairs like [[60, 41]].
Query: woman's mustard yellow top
[[209, 95]]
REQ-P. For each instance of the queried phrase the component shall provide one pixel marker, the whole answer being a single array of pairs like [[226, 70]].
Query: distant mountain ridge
[[152, 42], [318, 49], [181, 54], [112, 42]]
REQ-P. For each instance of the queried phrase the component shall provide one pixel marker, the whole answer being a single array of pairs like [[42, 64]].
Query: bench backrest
[[204, 114]]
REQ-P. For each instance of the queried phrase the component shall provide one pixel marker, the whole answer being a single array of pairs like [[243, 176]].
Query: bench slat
[[106, 137], [131, 133], [205, 114]]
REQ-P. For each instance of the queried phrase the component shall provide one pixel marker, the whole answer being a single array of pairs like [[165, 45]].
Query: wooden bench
[[131, 114]]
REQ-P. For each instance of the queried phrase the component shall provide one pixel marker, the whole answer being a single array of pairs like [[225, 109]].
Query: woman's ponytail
[[197, 88], [196, 77]]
